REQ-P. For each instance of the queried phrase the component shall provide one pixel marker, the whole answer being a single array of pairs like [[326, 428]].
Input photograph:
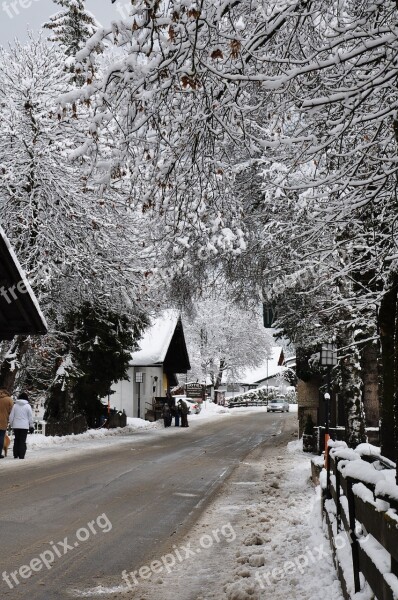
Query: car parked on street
[[193, 406], [278, 404]]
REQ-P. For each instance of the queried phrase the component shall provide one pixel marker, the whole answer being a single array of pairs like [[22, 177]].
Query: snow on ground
[[209, 411], [261, 539], [42, 448], [38, 440], [271, 543]]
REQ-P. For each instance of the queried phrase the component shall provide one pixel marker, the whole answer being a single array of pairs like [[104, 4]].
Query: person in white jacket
[[21, 420]]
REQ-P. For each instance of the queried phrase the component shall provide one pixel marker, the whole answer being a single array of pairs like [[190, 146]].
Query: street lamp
[[139, 378], [328, 359]]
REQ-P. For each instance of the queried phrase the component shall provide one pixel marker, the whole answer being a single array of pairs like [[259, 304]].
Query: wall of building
[[308, 402], [123, 398], [127, 392], [151, 387]]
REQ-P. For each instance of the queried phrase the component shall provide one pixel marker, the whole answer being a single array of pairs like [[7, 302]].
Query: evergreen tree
[[71, 28], [98, 346]]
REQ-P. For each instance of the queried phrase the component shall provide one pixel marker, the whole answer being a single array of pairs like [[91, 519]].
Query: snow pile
[[294, 558], [209, 409], [41, 441]]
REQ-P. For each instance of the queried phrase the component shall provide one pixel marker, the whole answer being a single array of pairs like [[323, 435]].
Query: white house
[[152, 370]]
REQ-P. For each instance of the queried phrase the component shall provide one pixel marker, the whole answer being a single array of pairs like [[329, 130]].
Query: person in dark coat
[[166, 413], [21, 420], [184, 413], [176, 414]]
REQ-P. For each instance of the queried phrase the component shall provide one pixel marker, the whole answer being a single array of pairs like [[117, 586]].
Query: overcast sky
[[16, 16]]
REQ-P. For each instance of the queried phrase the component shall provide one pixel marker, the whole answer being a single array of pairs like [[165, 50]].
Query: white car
[[194, 406], [278, 404]]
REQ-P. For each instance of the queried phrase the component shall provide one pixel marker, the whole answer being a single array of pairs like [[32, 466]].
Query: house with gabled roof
[[152, 372]]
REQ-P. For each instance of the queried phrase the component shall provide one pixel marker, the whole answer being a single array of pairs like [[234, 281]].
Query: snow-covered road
[[261, 538], [273, 545]]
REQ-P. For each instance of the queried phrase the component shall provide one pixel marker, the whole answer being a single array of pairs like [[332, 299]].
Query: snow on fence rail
[[361, 502], [248, 402]]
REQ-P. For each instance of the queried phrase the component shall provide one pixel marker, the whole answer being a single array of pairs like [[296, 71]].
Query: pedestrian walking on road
[[6, 405], [183, 406], [21, 420]]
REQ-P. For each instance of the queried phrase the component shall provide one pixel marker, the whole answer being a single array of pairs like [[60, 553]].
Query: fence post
[[327, 461], [354, 541], [338, 504]]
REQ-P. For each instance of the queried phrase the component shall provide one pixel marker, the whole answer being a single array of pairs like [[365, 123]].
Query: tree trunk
[[219, 374], [12, 361], [386, 323], [351, 391], [370, 377]]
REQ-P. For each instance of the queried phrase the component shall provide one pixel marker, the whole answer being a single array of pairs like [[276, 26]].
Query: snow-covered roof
[[156, 340], [269, 368]]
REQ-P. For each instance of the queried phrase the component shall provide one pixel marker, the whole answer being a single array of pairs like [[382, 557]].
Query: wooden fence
[[74, 426], [356, 512], [339, 433]]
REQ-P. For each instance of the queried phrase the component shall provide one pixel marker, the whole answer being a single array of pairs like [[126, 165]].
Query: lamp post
[[328, 359], [139, 378]]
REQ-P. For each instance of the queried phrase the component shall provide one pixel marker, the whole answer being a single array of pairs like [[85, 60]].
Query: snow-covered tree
[[207, 89], [223, 340], [71, 28], [76, 243]]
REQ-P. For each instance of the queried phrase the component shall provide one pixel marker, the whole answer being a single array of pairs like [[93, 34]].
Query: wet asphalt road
[[89, 517]]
